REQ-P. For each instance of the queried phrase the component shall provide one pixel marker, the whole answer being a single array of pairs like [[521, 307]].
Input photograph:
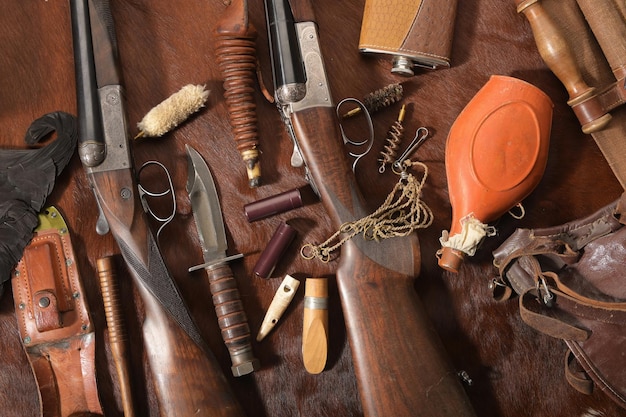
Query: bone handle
[[279, 304]]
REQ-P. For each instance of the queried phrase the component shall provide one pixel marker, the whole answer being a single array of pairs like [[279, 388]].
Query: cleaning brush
[[172, 111], [379, 99]]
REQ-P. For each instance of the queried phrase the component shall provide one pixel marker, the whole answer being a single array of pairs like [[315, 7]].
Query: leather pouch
[[570, 282], [415, 32], [54, 321]]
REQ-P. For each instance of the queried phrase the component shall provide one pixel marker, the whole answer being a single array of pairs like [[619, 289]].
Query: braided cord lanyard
[[401, 213]]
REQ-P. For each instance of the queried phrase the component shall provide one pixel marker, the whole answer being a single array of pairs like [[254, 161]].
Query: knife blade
[[207, 215]]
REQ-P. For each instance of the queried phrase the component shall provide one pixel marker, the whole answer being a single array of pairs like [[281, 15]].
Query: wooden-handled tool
[[315, 325], [556, 53], [236, 58]]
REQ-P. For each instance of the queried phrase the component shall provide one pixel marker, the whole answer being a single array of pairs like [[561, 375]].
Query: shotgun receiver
[[187, 378], [399, 362]]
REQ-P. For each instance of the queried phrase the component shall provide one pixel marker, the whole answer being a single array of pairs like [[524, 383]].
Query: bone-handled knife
[[207, 214]]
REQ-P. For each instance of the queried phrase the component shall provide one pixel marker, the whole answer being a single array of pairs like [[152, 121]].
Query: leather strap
[[613, 96], [589, 332], [606, 375], [546, 320], [557, 246], [54, 322], [576, 375]]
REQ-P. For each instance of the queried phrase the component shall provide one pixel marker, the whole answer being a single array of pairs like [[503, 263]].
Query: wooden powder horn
[[555, 51], [236, 57], [496, 153]]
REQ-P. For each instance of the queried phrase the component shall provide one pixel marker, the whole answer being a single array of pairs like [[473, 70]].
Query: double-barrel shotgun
[[399, 360], [187, 378]]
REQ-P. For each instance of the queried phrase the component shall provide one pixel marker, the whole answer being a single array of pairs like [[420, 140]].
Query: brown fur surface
[[165, 45]]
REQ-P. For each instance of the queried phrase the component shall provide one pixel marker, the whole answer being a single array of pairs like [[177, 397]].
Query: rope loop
[[401, 213]]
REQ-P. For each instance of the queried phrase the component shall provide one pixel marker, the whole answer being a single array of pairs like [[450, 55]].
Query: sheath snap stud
[[44, 302]]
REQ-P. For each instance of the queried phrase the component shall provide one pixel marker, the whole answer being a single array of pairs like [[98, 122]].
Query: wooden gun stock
[[399, 359]]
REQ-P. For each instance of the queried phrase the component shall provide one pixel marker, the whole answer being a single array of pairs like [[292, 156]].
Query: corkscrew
[[236, 59], [392, 142]]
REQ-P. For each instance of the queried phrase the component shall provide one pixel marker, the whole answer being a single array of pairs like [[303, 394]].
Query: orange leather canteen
[[496, 154]]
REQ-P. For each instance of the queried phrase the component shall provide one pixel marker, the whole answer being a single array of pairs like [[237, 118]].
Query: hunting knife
[[207, 214]]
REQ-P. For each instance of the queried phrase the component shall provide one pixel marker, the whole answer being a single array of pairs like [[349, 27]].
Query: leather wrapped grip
[[232, 319]]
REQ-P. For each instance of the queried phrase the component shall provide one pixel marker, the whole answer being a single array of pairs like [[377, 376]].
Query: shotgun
[[187, 378], [399, 359]]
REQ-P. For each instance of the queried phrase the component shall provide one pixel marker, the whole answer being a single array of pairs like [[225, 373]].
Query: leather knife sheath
[[54, 322]]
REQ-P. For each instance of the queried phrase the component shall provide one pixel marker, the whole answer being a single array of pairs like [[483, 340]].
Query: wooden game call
[[285, 293], [556, 53], [315, 325]]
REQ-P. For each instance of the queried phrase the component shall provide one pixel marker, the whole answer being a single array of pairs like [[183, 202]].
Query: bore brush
[[392, 141], [379, 99], [172, 111]]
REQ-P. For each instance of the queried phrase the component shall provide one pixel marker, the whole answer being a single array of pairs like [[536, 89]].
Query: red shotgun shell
[[282, 238], [272, 205]]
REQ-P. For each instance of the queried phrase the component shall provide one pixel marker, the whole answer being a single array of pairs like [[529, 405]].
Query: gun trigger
[[296, 158], [102, 225]]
